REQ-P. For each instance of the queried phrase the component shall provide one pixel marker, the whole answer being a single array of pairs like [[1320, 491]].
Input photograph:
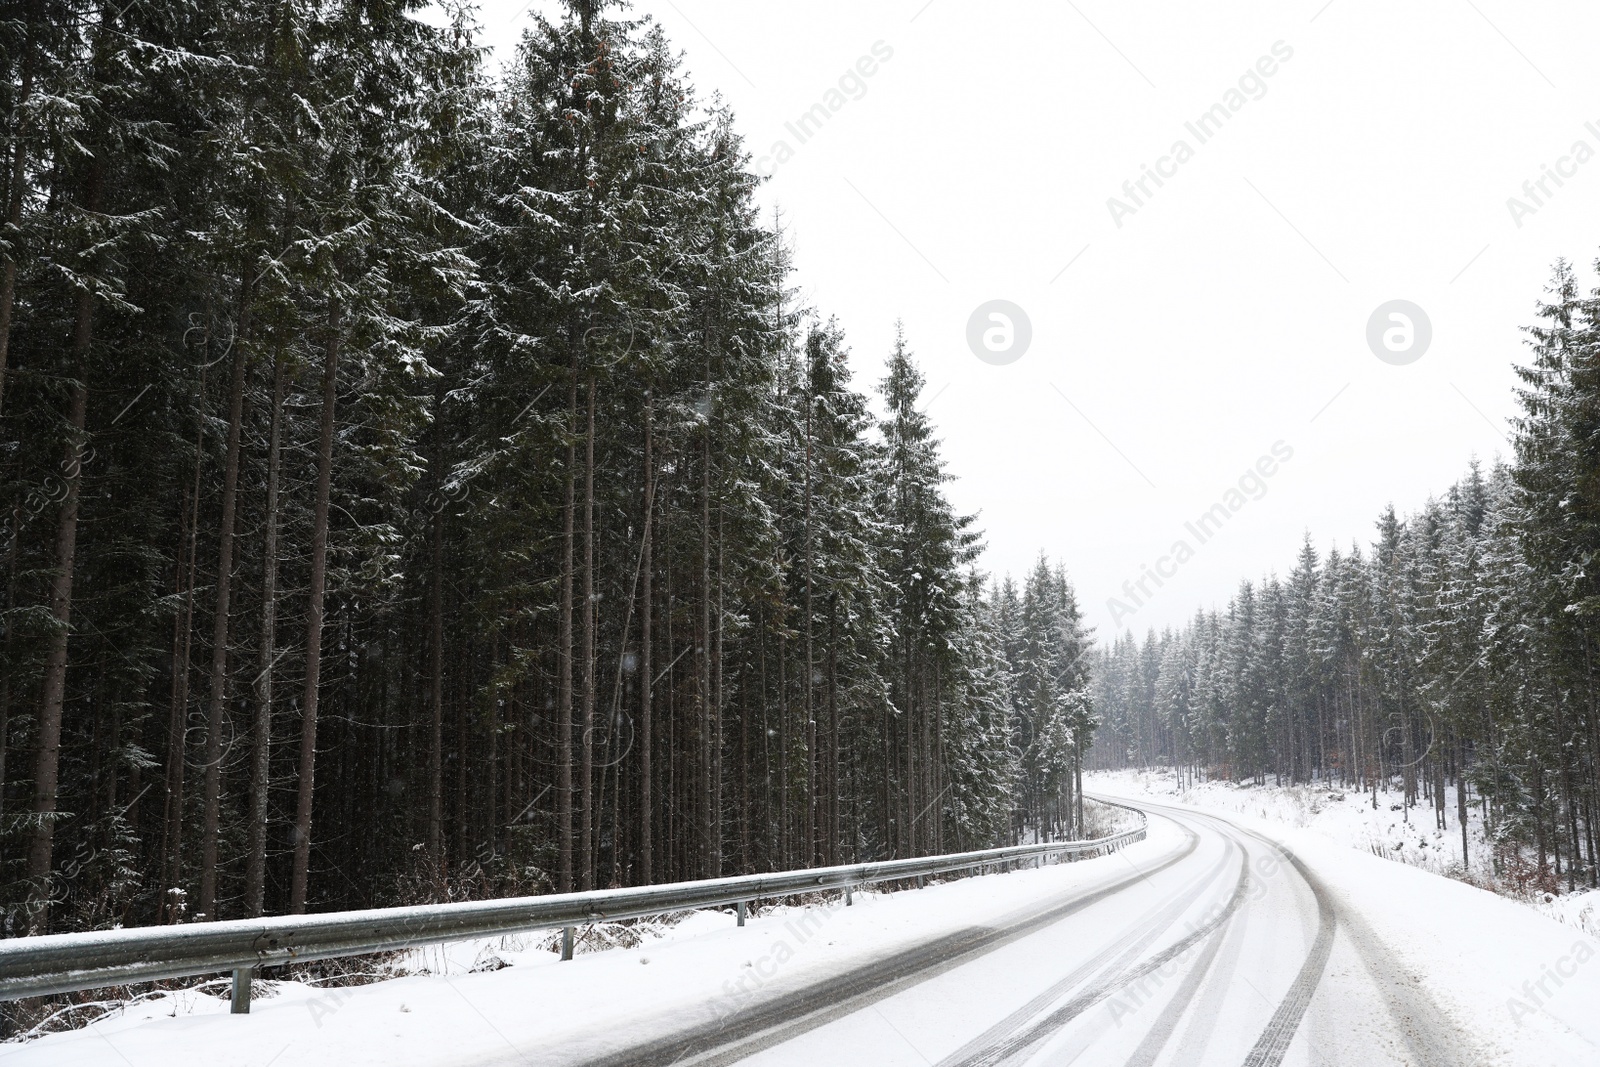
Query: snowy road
[[1222, 951], [1204, 944]]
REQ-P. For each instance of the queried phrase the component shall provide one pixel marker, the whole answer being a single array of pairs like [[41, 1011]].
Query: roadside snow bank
[[1526, 986], [510, 999], [1350, 819]]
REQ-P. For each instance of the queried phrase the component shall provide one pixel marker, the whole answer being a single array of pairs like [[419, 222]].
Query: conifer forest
[[922, 533], [1453, 657], [422, 483], [421, 487]]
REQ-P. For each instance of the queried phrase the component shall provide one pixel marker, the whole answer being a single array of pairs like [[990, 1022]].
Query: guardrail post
[[242, 977], [739, 910], [849, 896], [566, 942]]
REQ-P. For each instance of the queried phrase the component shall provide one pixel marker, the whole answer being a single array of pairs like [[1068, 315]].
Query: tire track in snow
[[1020, 1042], [1279, 1032], [1208, 1012], [726, 1041], [1125, 949], [1274, 1040], [1166, 1023], [1431, 1037], [1207, 976]]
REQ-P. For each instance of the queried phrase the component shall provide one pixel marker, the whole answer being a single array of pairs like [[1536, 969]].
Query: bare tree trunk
[[1409, 783], [255, 880], [1437, 762], [178, 723], [1077, 771], [5, 651], [611, 768], [16, 189], [314, 617], [936, 760], [1568, 796], [709, 821], [716, 709], [886, 816], [833, 731], [784, 821], [1072, 793], [47, 757], [768, 838], [488, 779], [646, 662], [216, 707], [8, 288], [564, 692], [436, 857], [586, 783], [908, 787], [1461, 802], [514, 792], [744, 788], [1592, 742], [671, 809], [808, 680], [459, 844]]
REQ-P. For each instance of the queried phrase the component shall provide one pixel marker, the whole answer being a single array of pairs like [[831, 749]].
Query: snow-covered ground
[[1350, 819], [1183, 950], [1518, 987], [477, 1001]]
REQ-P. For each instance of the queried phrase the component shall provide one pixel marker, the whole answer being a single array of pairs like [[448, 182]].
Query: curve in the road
[[1431, 1038], [1166, 1024], [1215, 945], [761, 1026], [1014, 1035], [1273, 1043]]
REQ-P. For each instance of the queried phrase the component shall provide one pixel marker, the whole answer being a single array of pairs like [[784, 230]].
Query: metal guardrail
[[61, 963]]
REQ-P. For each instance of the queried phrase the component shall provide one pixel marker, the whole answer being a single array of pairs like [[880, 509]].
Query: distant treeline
[[1460, 648], [416, 486]]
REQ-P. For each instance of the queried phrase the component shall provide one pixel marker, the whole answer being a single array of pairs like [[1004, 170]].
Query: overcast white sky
[[1230, 312]]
